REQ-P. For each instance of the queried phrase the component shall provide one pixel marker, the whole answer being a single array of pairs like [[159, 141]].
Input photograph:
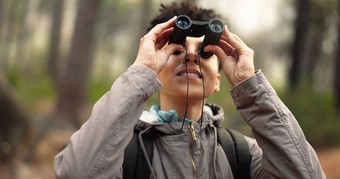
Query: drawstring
[[144, 150]]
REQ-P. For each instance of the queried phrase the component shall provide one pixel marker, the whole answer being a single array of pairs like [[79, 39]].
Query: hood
[[212, 114]]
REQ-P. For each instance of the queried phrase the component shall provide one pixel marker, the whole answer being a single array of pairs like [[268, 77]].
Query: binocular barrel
[[184, 27], [213, 33]]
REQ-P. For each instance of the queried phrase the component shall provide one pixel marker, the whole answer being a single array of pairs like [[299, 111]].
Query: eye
[[206, 54], [177, 52]]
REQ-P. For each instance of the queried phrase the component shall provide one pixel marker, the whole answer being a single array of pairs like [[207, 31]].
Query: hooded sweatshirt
[[97, 149]]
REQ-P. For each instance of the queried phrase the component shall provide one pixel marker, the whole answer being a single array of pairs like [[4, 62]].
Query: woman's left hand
[[236, 58]]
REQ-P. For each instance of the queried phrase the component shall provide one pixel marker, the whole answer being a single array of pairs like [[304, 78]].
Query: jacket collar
[[212, 114]]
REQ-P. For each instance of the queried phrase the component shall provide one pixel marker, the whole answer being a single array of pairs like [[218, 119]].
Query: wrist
[[244, 78], [147, 64]]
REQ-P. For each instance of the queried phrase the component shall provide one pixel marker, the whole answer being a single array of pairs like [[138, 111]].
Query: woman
[[186, 146]]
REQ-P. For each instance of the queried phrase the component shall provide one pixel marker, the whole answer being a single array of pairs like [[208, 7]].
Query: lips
[[191, 73]]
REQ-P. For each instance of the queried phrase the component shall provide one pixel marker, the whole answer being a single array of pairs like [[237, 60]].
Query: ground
[[330, 162]]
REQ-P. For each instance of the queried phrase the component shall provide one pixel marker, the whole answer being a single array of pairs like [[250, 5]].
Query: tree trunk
[[14, 126], [312, 52], [72, 91], [53, 65], [301, 27], [144, 16], [9, 20], [1, 17], [21, 36], [337, 68]]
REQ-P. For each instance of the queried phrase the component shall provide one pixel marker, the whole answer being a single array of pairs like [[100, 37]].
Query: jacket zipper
[[193, 139]]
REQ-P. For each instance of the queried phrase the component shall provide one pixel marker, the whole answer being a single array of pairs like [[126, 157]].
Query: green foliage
[[98, 86], [30, 84], [315, 113], [151, 101]]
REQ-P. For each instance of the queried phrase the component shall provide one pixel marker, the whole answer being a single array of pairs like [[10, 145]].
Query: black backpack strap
[[237, 151], [134, 165]]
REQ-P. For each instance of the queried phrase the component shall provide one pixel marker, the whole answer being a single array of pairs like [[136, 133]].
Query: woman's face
[[174, 76]]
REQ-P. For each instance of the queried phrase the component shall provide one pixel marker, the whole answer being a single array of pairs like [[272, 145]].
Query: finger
[[233, 40], [170, 49], [218, 51], [159, 28], [226, 47], [163, 38]]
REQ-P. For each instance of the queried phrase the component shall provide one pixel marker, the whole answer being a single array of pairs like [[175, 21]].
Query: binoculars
[[184, 27]]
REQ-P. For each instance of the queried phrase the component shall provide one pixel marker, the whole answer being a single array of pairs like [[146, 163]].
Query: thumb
[[218, 51]]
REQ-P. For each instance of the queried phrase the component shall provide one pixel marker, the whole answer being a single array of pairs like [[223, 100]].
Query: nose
[[191, 56]]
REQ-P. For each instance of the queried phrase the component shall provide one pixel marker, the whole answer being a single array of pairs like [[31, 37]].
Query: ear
[[217, 83]]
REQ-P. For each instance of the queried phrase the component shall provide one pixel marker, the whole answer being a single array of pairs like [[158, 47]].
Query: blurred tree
[[144, 17], [73, 83], [53, 65], [317, 26], [311, 31], [301, 28], [14, 126], [118, 23], [14, 121], [337, 64], [1, 17], [21, 31], [8, 14], [12, 30]]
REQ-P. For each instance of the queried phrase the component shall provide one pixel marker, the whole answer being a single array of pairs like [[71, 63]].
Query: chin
[[195, 90], [192, 94]]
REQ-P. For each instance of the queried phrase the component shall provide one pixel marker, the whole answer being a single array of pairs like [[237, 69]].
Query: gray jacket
[[97, 149]]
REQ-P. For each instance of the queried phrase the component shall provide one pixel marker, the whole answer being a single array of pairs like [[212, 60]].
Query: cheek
[[167, 71], [211, 77], [162, 76], [210, 85], [212, 69]]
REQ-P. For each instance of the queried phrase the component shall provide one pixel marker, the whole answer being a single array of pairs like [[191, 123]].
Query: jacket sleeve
[[96, 150], [285, 150]]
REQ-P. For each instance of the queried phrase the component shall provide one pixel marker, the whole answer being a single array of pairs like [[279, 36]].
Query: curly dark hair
[[184, 8]]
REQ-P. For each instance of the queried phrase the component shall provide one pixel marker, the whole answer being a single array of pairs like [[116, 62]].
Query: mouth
[[192, 73]]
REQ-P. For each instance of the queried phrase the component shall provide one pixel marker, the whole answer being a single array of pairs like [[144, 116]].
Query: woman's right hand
[[154, 51]]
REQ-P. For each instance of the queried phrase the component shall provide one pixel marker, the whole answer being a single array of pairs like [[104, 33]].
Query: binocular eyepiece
[[184, 27]]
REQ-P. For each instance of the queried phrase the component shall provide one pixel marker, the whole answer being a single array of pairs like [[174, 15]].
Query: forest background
[[58, 57]]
